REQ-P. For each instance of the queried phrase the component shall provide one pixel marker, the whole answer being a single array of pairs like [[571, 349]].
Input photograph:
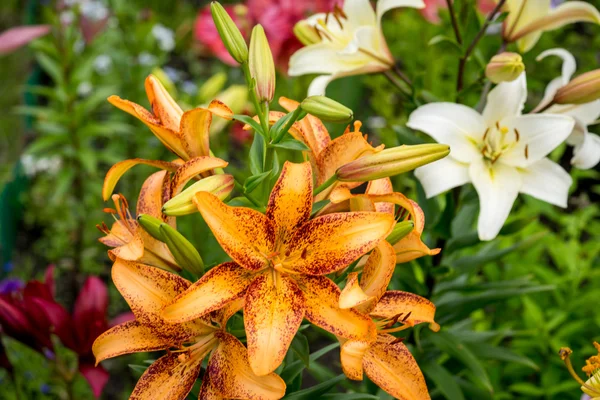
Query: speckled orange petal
[[232, 377], [245, 234], [351, 357], [381, 186], [217, 107], [395, 302], [162, 104], [352, 295], [322, 298], [290, 202], [391, 366], [119, 234], [116, 172], [377, 273], [169, 137], [192, 168], [222, 284], [222, 315], [195, 131], [128, 337], [168, 378], [329, 243], [152, 195], [315, 133], [131, 251], [207, 391], [272, 315]]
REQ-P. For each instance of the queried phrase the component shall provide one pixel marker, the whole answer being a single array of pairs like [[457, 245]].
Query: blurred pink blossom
[[432, 7], [14, 38]]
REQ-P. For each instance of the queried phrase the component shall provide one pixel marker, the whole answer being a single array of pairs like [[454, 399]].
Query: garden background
[[506, 307]]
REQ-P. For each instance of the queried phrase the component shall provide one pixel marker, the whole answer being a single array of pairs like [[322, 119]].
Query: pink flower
[[432, 7]]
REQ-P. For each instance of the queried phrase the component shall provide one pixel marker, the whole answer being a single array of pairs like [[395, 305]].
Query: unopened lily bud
[[183, 251], [262, 67], [306, 33], [230, 34], [211, 88], [151, 225], [401, 229], [390, 162], [326, 109], [505, 67], [219, 185], [583, 89]]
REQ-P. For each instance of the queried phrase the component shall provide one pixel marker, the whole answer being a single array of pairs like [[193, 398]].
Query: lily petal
[[391, 366], [414, 308], [329, 243], [359, 13], [194, 167], [126, 338], [272, 315], [585, 113], [318, 86], [322, 309], [195, 131], [245, 234], [116, 172], [569, 64], [506, 100], [520, 14], [130, 251], [456, 125], [162, 104], [377, 273], [539, 135], [232, 377], [152, 193], [384, 6], [547, 181], [442, 175], [168, 378], [381, 186], [222, 284], [497, 188], [587, 154], [353, 295], [351, 357], [291, 199]]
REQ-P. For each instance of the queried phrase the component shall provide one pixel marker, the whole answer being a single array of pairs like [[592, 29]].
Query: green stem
[[325, 185], [264, 122], [454, 21], [401, 87], [240, 187]]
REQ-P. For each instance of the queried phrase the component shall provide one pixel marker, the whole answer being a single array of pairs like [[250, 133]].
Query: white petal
[[569, 65], [539, 134], [523, 12], [359, 13], [442, 175], [497, 188], [371, 39], [456, 125], [384, 6], [549, 93], [320, 58], [547, 181], [587, 155], [507, 99], [319, 85], [584, 113]]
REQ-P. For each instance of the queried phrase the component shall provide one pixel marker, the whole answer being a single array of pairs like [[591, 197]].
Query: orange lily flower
[[387, 361], [129, 241], [280, 259], [172, 376], [186, 134]]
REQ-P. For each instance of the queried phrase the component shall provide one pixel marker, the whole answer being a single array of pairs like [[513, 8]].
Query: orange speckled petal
[[152, 194], [131, 251], [192, 168], [392, 367], [352, 295], [195, 131], [329, 243], [381, 186], [351, 357], [272, 315], [217, 107], [245, 234], [395, 302], [163, 106], [322, 298], [232, 377], [377, 273], [222, 284], [168, 378], [290, 202], [128, 337], [207, 391]]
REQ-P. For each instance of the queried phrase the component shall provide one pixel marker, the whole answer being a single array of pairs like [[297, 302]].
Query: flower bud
[[504, 67], [230, 34], [326, 109], [306, 33], [401, 229], [262, 67], [183, 251], [390, 162], [219, 185], [583, 89], [151, 225]]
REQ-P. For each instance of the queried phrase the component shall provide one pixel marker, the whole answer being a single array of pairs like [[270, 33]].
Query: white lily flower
[[351, 43], [502, 152], [586, 151], [528, 19]]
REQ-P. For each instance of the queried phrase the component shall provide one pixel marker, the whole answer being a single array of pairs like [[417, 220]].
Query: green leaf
[[526, 388], [253, 181], [257, 155], [250, 121], [46, 143], [318, 206], [444, 380], [277, 132], [316, 391], [349, 396], [300, 347], [292, 370], [292, 144], [51, 67], [486, 351], [446, 44]]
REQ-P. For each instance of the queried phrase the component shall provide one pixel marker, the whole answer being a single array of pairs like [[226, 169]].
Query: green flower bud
[[401, 229], [326, 109], [183, 251], [229, 32], [583, 89], [504, 67], [262, 67], [219, 185], [151, 225]]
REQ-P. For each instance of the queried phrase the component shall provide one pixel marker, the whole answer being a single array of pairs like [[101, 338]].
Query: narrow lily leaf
[[257, 155], [444, 380], [250, 121], [116, 172], [277, 130], [316, 391], [184, 252], [292, 144], [300, 347], [292, 370], [253, 181]]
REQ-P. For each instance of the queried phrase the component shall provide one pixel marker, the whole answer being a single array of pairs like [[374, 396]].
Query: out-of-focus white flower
[[189, 87], [67, 17], [84, 89], [502, 152], [164, 36], [33, 166], [145, 58], [173, 73], [103, 64], [352, 43], [586, 151], [94, 10], [79, 46]]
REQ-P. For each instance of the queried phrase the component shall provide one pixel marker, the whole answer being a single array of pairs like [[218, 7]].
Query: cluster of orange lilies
[[280, 268]]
